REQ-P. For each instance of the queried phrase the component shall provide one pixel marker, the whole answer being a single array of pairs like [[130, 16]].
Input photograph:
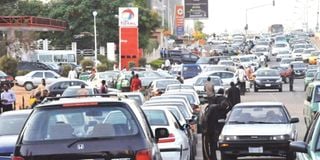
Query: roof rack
[[108, 95]]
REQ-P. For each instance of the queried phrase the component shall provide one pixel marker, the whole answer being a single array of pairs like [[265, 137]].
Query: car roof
[[255, 104], [16, 112]]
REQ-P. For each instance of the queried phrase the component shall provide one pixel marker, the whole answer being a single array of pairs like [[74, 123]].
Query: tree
[[198, 26]]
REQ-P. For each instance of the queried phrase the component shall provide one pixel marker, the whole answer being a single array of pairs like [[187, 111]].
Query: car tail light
[[80, 104], [9, 78], [144, 155], [171, 138], [17, 158]]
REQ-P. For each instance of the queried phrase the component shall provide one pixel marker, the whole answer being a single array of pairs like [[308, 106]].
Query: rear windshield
[[164, 84], [11, 125], [84, 122], [156, 117]]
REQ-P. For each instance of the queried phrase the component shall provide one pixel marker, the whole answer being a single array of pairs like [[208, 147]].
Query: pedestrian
[[41, 87], [165, 53], [136, 84], [290, 74], [161, 52], [209, 89], [167, 64], [224, 104], [132, 76], [233, 94], [103, 87], [179, 78], [60, 69], [44, 95], [72, 74], [241, 74], [83, 91], [8, 98]]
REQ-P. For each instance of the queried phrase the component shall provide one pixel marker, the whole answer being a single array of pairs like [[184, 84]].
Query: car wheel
[[228, 157], [28, 86]]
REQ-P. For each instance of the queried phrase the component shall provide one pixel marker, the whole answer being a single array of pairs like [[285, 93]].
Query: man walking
[[233, 94], [291, 77], [209, 89], [241, 74], [8, 98], [136, 84], [72, 74]]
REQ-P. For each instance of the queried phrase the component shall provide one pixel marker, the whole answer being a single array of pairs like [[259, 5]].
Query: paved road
[[292, 100]]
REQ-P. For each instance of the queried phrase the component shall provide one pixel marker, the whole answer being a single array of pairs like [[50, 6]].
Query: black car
[[299, 69], [88, 128], [266, 78], [6, 79], [57, 87], [177, 56]]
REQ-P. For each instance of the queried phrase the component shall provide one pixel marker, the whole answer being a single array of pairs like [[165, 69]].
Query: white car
[[33, 78], [285, 62], [297, 54], [279, 47], [226, 76], [264, 50], [283, 54]]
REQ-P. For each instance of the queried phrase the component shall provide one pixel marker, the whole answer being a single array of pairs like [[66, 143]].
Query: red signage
[[179, 21], [129, 44]]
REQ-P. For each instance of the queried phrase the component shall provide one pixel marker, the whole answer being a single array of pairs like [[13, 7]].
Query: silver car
[[258, 129]]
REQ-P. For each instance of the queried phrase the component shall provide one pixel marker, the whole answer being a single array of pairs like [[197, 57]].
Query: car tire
[[28, 86], [228, 157]]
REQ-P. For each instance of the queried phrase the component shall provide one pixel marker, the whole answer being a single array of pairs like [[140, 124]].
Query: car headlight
[[228, 138], [278, 81], [280, 137]]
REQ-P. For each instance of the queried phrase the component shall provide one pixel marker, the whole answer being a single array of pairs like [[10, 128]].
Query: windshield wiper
[[237, 122], [85, 139]]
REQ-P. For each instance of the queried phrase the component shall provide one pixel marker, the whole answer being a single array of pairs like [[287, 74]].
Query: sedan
[[73, 91], [250, 131], [157, 87], [56, 88], [310, 73], [11, 123], [6, 79], [299, 69], [266, 78], [176, 146]]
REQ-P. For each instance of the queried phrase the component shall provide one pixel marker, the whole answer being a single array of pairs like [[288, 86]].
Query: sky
[[229, 15]]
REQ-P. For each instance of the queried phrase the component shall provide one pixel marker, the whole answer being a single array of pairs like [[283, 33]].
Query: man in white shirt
[[167, 64], [72, 74], [241, 74], [8, 98]]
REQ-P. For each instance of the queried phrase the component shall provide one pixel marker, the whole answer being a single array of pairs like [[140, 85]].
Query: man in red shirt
[[135, 83]]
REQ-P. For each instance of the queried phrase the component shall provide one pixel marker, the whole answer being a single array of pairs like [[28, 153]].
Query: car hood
[[268, 77], [7, 143], [201, 88], [256, 129]]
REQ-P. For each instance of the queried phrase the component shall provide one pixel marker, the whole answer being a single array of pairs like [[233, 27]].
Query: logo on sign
[[128, 17], [180, 12], [80, 146]]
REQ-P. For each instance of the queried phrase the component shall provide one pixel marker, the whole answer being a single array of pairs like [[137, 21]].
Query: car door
[[50, 77], [37, 77]]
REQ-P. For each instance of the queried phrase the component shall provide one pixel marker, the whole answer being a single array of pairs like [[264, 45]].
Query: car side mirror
[[309, 98], [299, 146], [161, 133], [294, 120], [185, 126]]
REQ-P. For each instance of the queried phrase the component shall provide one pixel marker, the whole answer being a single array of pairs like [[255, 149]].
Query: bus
[[276, 28], [56, 56]]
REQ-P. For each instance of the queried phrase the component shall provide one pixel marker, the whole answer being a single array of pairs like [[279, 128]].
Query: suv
[[88, 128], [180, 57]]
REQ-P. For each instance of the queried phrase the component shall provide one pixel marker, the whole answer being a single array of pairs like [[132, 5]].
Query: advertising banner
[[179, 21], [196, 9]]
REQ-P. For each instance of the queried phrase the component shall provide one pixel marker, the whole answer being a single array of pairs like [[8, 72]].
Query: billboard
[[179, 20], [195, 9], [128, 17]]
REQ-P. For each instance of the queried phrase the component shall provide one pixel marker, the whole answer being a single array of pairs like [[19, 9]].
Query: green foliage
[[8, 65], [22, 72], [156, 63], [142, 62], [148, 22], [66, 69], [102, 67], [87, 64], [198, 26], [153, 43], [103, 59]]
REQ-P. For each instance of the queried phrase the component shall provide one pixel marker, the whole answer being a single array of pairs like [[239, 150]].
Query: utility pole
[[317, 26]]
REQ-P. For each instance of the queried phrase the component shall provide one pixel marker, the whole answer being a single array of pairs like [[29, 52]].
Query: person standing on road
[[72, 74], [8, 98], [209, 89], [233, 94], [41, 87], [136, 84], [103, 87], [291, 77], [161, 52], [241, 74]]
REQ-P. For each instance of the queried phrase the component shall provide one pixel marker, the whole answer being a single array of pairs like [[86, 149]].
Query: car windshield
[[284, 52], [201, 81], [298, 51], [11, 125], [258, 114], [280, 45], [269, 72], [317, 94], [2, 74], [245, 59], [227, 63], [315, 53], [298, 65], [74, 123], [173, 87], [156, 117], [286, 61], [137, 98], [203, 60], [311, 73], [261, 49], [75, 91], [163, 84]]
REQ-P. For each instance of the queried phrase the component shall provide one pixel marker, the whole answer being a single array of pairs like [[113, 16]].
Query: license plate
[[255, 149], [268, 85]]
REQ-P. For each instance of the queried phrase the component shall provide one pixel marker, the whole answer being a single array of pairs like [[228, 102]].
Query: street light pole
[[94, 13], [317, 26]]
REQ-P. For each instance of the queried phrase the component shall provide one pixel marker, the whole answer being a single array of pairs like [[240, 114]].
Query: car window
[[175, 112], [164, 84], [156, 117], [37, 75], [202, 81], [225, 75], [267, 73], [310, 130], [11, 125], [258, 114], [74, 123], [64, 85], [49, 75], [185, 56], [317, 94]]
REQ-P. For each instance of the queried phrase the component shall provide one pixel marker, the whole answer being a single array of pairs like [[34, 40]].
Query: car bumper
[[268, 85], [254, 148]]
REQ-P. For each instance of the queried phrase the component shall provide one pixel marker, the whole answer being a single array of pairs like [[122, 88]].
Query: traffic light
[[273, 3]]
